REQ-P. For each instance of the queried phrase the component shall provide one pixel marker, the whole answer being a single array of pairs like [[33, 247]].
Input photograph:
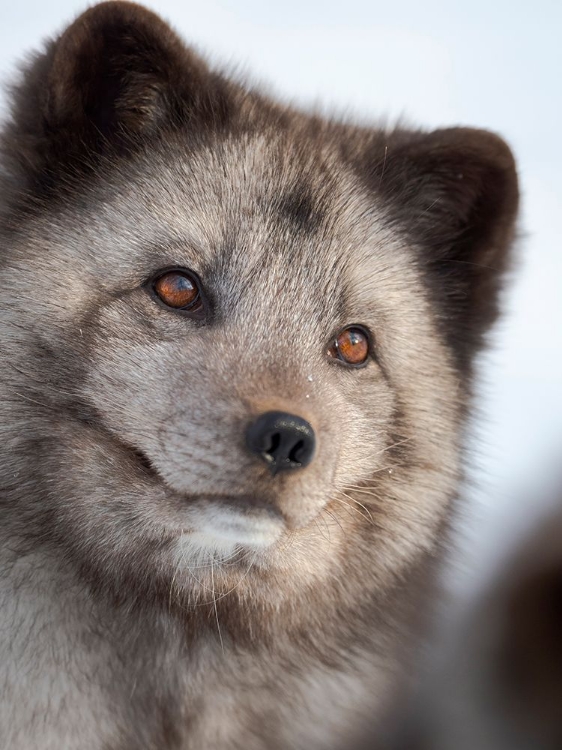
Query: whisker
[[333, 517], [368, 517], [376, 471], [172, 584], [326, 538], [363, 491], [236, 585], [394, 445], [215, 606]]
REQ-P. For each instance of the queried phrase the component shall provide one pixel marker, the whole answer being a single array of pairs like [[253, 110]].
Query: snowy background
[[496, 65]]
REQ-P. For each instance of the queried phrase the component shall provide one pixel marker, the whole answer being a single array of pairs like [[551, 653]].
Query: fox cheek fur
[[221, 521]]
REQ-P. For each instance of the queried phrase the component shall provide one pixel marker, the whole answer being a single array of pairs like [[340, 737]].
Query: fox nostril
[[283, 441], [274, 442], [298, 452]]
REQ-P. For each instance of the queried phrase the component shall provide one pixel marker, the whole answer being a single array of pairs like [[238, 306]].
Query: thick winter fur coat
[[237, 346]]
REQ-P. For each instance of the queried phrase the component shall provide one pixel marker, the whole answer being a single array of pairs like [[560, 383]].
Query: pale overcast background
[[489, 63]]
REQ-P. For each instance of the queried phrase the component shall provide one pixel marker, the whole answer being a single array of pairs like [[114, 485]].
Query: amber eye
[[178, 289], [351, 346]]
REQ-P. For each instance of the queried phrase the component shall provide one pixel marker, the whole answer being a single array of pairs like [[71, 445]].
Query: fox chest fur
[[70, 681], [237, 358]]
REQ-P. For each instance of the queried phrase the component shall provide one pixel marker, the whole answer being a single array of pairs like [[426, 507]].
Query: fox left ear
[[116, 77], [119, 70], [454, 193]]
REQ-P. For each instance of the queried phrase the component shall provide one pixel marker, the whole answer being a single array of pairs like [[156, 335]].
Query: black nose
[[282, 440]]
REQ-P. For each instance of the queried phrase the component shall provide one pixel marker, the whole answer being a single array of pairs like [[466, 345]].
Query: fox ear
[[116, 76], [454, 192], [119, 70]]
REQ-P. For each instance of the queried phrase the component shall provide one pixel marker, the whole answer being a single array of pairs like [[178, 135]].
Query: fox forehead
[[241, 212], [238, 186]]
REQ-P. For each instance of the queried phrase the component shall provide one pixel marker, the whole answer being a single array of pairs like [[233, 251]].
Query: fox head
[[237, 337]]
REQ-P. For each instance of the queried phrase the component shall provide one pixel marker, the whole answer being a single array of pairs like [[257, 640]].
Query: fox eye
[[178, 289], [352, 346]]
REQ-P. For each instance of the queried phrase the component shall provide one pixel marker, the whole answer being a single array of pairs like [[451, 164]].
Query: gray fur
[[128, 621]]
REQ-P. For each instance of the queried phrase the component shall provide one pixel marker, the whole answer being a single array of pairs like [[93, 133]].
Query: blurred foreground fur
[[495, 676], [221, 518]]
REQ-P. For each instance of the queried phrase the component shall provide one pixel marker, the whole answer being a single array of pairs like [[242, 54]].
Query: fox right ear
[[115, 77], [454, 194]]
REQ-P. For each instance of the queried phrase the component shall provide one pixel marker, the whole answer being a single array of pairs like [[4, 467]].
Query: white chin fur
[[216, 533]]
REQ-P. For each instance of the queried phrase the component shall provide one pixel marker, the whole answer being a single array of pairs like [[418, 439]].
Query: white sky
[[488, 63]]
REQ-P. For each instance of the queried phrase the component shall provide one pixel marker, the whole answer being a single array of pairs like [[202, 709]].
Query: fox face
[[239, 337]]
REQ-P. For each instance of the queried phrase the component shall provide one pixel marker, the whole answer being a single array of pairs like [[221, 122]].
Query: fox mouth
[[241, 519], [143, 461]]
